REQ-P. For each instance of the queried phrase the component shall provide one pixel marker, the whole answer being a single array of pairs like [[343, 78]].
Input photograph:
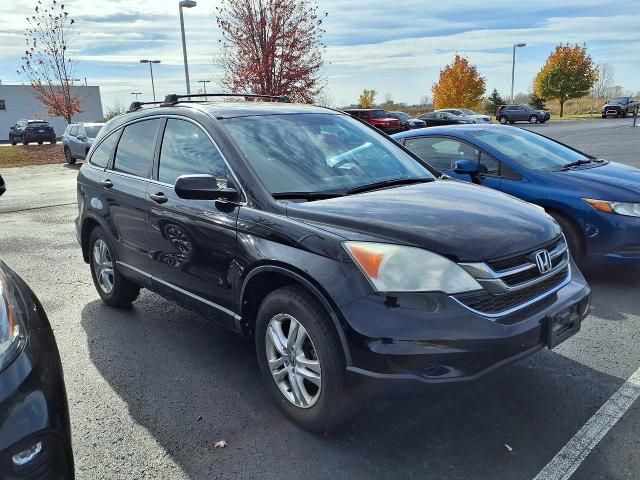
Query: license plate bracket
[[563, 325]]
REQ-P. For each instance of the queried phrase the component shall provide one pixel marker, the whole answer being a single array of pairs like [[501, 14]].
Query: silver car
[[77, 140], [466, 113]]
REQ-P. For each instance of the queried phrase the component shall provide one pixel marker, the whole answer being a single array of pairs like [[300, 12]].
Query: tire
[[575, 240], [13, 141], [502, 119], [67, 156], [322, 407], [40, 143], [533, 119], [122, 291], [624, 114], [604, 116]]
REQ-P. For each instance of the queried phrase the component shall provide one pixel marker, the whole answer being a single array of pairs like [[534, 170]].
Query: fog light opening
[[26, 456]]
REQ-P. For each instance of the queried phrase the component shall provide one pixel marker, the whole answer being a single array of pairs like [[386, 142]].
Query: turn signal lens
[[368, 260], [600, 205]]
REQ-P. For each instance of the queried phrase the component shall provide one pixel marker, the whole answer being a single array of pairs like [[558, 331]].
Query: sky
[[395, 48]]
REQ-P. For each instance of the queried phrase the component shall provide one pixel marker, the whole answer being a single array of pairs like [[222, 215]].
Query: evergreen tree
[[538, 102], [493, 102]]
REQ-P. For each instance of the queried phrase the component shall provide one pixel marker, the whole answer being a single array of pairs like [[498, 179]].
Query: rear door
[[192, 242], [126, 184]]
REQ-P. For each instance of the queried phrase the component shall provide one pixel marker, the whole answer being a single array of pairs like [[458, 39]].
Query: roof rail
[[138, 105], [172, 98]]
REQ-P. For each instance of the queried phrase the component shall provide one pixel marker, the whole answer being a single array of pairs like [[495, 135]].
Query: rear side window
[[100, 156], [73, 130], [187, 150], [81, 131], [135, 150]]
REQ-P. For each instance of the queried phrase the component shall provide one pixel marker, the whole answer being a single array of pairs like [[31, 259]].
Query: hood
[[612, 181], [462, 221]]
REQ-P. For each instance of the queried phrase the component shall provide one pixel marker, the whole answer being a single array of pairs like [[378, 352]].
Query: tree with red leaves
[[46, 61], [272, 47]]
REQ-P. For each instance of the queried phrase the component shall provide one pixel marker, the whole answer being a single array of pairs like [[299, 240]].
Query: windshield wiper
[[577, 163], [305, 195], [387, 183]]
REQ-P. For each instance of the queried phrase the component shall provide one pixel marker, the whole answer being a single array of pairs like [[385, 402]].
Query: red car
[[380, 119]]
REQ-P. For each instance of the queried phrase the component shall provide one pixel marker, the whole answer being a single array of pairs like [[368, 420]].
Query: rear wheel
[[68, 157], [575, 240], [114, 289], [301, 360], [502, 119]]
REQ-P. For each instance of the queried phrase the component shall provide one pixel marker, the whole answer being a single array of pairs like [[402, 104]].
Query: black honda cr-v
[[341, 254]]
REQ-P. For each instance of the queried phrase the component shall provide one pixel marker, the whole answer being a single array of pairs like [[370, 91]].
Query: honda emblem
[[543, 261]]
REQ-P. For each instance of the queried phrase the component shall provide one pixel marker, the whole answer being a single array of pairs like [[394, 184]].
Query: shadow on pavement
[[191, 383], [606, 283]]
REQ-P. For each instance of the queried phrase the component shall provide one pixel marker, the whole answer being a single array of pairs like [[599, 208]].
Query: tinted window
[[134, 154], [319, 152], [92, 130], [428, 115], [39, 124], [102, 153], [488, 165], [74, 130], [378, 114], [441, 152], [186, 149]]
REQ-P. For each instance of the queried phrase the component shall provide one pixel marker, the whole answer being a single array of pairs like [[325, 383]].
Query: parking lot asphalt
[[151, 389]]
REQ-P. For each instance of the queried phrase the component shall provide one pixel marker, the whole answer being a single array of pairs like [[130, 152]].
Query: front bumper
[[611, 238], [33, 410], [428, 338]]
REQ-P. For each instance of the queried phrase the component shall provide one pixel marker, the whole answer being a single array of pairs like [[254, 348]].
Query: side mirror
[[203, 187], [466, 167], [3, 187], [81, 138]]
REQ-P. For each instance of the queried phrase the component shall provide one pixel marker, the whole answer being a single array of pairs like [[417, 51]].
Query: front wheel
[[114, 289], [301, 360], [574, 237], [68, 157], [533, 119], [502, 119]]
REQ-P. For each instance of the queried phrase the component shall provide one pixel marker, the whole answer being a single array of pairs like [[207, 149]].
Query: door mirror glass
[[465, 167], [204, 187]]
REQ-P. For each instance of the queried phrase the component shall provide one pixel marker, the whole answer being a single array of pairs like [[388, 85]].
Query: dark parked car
[[27, 131], [342, 255], [35, 437], [436, 119], [412, 123], [597, 202], [77, 140], [521, 113], [619, 107], [379, 119]]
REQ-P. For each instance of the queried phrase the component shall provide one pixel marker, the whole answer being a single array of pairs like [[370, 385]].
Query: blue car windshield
[[528, 149], [320, 153]]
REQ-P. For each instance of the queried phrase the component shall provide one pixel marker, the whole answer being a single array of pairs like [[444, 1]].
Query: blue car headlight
[[621, 208], [12, 329]]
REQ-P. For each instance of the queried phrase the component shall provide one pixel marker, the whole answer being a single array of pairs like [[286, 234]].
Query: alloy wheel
[[103, 266], [293, 360]]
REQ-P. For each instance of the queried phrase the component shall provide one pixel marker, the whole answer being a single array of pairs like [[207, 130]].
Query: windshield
[[466, 111], [528, 149], [619, 100], [319, 153], [92, 130], [402, 116]]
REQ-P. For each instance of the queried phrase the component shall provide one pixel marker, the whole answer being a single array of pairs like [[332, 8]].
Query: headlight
[[396, 268], [621, 208], [12, 331]]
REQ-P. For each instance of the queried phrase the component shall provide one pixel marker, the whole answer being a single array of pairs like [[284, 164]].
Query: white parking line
[[567, 460]]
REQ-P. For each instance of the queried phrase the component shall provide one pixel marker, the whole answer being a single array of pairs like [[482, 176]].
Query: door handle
[[158, 197], [107, 184]]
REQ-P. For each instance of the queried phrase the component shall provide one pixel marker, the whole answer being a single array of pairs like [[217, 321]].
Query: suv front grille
[[485, 302], [515, 282]]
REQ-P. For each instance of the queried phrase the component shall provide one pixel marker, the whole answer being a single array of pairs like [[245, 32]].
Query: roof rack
[[138, 105], [172, 99]]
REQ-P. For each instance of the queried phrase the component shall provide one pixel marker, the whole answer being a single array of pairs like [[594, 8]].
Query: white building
[[18, 102]]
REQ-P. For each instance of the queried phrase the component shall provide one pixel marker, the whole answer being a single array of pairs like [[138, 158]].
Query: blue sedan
[[595, 201]]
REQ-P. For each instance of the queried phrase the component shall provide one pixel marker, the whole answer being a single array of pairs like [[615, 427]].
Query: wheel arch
[[88, 224], [571, 219], [264, 279]]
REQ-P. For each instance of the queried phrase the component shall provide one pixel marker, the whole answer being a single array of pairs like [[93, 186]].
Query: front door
[[192, 242], [126, 187]]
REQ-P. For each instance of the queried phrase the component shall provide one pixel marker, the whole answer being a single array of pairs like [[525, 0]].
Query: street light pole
[[204, 85], [185, 4], [513, 65], [151, 62]]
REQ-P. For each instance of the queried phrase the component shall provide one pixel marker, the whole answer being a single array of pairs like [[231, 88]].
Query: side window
[[81, 131], [100, 156], [488, 165], [73, 131], [187, 150], [440, 152], [135, 150]]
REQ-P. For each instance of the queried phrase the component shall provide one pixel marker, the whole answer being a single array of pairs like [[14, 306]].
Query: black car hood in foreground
[[462, 221]]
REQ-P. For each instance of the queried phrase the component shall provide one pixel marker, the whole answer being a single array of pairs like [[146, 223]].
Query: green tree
[[568, 73], [367, 99], [537, 102], [493, 102]]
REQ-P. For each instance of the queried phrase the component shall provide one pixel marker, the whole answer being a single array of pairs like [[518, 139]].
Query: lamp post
[[185, 4], [72, 80], [151, 62], [204, 84], [513, 66], [136, 94]]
